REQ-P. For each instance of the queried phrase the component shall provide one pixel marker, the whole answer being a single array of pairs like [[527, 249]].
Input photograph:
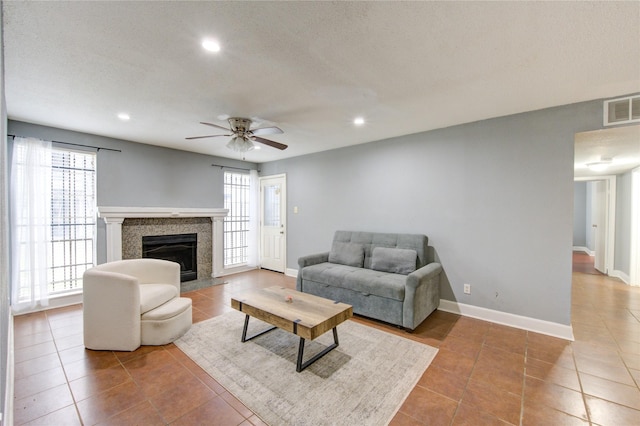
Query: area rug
[[364, 381]]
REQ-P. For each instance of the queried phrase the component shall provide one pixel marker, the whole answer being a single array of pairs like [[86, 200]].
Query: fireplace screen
[[177, 248]]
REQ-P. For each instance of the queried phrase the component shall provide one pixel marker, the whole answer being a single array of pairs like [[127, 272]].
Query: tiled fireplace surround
[[127, 225]]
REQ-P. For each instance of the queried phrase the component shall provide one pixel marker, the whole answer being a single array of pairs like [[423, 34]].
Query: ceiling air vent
[[622, 111]]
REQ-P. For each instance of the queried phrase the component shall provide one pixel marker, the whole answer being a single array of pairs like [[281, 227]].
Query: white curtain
[[30, 223], [254, 211]]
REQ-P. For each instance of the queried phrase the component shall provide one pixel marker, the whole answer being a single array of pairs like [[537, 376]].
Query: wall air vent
[[622, 111]]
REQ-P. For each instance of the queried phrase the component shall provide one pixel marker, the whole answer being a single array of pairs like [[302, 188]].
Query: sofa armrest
[[304, 261], [313, 259], [111, 310], [422, 295], [423, 274]]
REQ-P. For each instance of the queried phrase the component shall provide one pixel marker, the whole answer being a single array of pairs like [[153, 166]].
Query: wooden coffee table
[[302, 314]]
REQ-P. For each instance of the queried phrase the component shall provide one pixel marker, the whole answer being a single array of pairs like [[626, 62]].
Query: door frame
[[610, 217], [283, 200]]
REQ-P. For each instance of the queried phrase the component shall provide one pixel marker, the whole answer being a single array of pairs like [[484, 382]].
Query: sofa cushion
[[154, 295], [172, 308], [350, 254], [365, 281], [394, 260], [370, 240]]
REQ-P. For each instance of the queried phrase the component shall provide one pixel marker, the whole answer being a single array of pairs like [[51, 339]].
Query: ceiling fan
[[243, 137]]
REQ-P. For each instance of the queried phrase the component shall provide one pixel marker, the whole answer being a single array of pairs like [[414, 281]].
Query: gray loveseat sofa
[[383, 276]]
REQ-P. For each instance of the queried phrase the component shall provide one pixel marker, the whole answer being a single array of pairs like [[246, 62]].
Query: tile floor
[[483, 374]]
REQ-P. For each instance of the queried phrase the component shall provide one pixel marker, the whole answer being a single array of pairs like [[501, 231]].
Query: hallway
[[582, 262]]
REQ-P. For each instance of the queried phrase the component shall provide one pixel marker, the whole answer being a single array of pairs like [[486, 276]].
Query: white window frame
[[237, 199]]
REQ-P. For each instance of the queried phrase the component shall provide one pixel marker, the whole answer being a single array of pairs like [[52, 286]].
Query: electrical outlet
[[467, 289]]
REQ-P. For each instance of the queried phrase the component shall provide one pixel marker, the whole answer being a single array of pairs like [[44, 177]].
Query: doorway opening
[[583, 262], [599, 214], [601, 157]]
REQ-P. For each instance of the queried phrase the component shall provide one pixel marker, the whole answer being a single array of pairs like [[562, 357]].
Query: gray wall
[[580, 214], [4, 239], [495, 198], [143, 175], [622, 258]]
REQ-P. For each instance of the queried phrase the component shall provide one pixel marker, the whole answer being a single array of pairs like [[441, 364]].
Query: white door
[[273, 232], [599, 213]]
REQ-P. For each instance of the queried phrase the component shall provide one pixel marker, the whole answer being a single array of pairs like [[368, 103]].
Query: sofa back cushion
[[371, 240], [345, 253], [394, 260]]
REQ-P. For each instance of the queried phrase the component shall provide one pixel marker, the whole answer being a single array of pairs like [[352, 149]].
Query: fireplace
[[123, 241], [181, 248]]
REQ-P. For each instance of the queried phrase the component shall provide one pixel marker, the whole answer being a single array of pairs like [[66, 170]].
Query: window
[[237, 222], [52, 221], [73, 218]]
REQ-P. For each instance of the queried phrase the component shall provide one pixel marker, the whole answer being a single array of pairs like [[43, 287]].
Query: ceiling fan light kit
[[240, 144], [243, 137]]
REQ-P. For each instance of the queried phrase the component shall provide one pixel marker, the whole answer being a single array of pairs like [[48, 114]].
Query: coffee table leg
[[244, 330], [302, 365]]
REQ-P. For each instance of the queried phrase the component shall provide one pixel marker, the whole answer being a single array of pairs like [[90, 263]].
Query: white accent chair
[[128, 303]]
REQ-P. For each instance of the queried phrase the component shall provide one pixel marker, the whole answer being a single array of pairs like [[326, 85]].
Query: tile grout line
[[134, 381], [619, 349], [64, 370], [217, 395], [475, 361], [582, 393]]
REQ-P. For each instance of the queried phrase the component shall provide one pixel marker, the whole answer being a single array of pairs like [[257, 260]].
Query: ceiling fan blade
[[214, 125], [270, 143], [202, 137], [266, 131]]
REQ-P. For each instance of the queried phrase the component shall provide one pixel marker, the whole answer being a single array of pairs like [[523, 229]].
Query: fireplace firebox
[[181, 248]]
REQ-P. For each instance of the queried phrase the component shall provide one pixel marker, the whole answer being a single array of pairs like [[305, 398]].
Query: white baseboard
[[619, 274], [584, 250], [530, 324], [290, 272]]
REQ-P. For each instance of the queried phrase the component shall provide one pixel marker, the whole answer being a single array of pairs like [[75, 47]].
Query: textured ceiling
[[620, 144], [308, 67]]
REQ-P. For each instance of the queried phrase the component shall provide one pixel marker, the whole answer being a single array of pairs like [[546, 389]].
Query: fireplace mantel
[[115, 216], [116, 213]]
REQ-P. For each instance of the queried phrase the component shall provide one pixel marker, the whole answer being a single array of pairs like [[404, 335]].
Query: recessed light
[[358, 121], [124, 116], [211, 45], [257, 147]]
